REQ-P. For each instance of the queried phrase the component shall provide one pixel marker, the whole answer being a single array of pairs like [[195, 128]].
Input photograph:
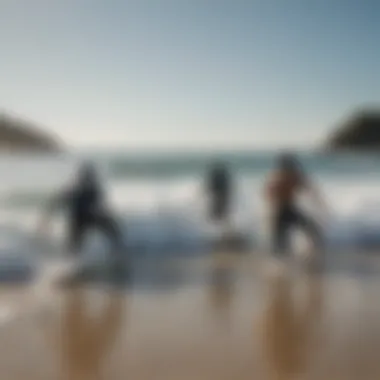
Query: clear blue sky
[[189, 73]]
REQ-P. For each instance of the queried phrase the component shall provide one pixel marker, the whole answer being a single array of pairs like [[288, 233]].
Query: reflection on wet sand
[[225, 322], [222, 283], [290, 324], [84, 337]]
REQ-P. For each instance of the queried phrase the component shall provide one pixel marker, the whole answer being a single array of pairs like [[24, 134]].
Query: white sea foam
[[160, 216]]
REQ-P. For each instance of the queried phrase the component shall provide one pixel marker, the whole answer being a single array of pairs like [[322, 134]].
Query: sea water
[[161, 206]]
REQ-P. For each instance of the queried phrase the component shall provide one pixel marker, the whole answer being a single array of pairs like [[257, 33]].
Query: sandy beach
[[222, 317]]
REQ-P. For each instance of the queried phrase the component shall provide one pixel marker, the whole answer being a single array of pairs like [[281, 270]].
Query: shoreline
[[242, 321]]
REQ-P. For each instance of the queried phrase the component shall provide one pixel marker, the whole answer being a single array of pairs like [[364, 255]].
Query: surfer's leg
[[280, 232], [107, 225], [310, 226], [77, 230]]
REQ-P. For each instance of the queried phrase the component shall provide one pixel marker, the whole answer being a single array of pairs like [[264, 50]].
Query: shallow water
[[160, 202], [235, 317]]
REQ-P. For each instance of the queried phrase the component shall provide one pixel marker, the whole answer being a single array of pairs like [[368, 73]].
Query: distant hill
[[361, 132], [17, 135]]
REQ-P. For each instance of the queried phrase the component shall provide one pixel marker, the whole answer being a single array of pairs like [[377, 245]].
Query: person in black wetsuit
[[84, 203], [282, 190], [219, 187]]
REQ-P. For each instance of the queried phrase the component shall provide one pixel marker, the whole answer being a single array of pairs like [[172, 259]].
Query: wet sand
[[225, 317]]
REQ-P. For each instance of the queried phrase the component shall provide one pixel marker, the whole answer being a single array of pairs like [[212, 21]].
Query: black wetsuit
[[287, 216], [220, 191], [85, 211]]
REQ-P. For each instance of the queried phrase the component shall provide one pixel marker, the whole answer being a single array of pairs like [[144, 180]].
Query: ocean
[[160, 203]]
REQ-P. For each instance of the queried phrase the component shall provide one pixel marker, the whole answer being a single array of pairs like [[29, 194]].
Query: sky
[[181, 74]]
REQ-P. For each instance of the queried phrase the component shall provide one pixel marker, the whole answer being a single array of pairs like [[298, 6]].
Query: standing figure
[[219, 188], [282, 190], [85, 206]]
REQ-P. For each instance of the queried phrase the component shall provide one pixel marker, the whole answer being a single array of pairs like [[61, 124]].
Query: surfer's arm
[[55, 203]]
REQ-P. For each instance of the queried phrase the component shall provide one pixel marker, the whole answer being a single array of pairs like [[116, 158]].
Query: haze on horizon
[[170, 74]]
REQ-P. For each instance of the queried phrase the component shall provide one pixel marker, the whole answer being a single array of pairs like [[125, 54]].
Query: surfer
[[219, 194], [84, 202], [219, 189], [282, 189]]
